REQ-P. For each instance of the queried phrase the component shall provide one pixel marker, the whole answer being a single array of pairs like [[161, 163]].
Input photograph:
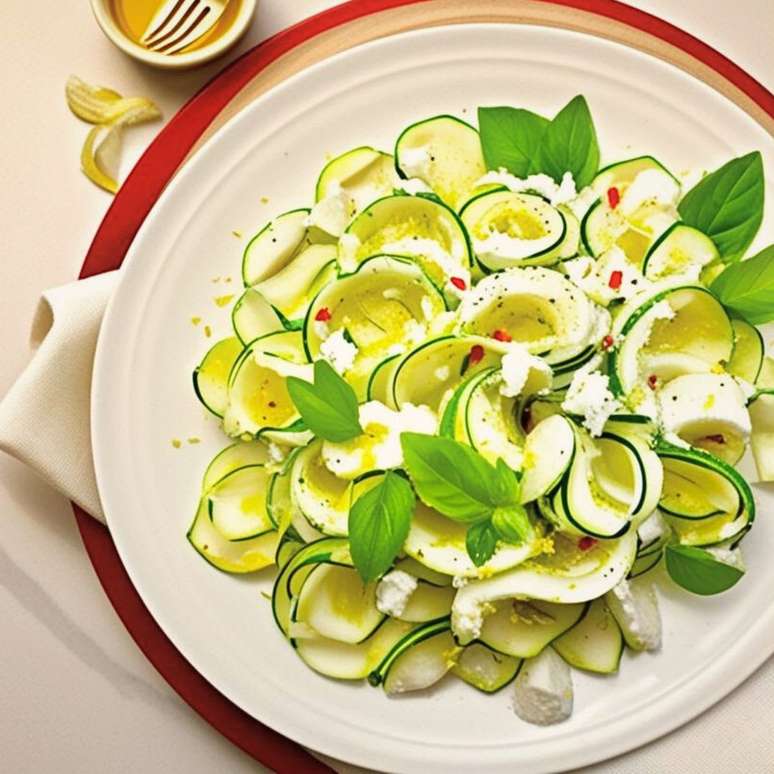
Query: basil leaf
[[747, 287], [506, 487], [570, 144], [510, 138], [512, 523], [449, 476], [727, 205], [481, 542], [699, 571], [379, 522], [329, 406]]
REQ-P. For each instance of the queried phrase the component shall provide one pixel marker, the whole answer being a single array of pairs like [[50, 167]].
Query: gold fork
[[179, 23]]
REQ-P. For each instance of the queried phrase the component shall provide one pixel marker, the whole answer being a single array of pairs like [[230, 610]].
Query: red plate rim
[[111, 242]]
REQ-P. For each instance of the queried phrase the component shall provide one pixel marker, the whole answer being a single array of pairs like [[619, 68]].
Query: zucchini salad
[[479, 390]]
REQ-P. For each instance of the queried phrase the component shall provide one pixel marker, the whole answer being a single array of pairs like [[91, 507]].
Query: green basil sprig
[[699, 571], [727, 205], [524, 142], [379, 522], [458, 482], [747, 287], [329, 406]]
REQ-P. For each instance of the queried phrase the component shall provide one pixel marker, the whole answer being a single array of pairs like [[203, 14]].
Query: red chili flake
[[613, 197], [458, 283], [716, 438], [476, 354], [502, 335], [652, 381], [607, 342], [323, 315], [587, 542], [616, 277]]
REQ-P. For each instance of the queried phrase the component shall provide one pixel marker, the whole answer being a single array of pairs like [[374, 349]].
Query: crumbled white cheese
[[394, 591], [396, 349], [541, 184], [581, 204], [378, 448], [333, 213], [543, 690], [392, 293], [433, 251], [635, 607], [594, 276], [589, 395], [458, 581], [415, 162], [427, 307], [413, 331], [652, 529], [518, 367], [650, 185], [339, 352], [442, 373]]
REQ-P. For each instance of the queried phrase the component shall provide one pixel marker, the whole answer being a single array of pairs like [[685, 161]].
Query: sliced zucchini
[[644, 564], [413, 226], [254, 317], [479, 414], [571, 243], [237, 503], [258, 400], [274, 246], [706, 501], [347, 661], [336, 603], [513, 229], [241, 556], [363, 174], [522, 628], [323, 498], [291, 577], [238, 455], [595, 643], [411, 664], [422, 572], [672, 330], [427, 603], [380, 380], [439, 543], [680, 250], [612, 484], [708, 411], [537, 307], [387, 303], [210, 377], [292, 288], [749, 351], [549, 449], [445, 153], [568, 575], [622, 174], [424, 375], [762, 436], [484, 668]]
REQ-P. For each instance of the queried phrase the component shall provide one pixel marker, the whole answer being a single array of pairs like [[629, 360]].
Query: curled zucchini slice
[[445, 153], [363, 174], [681, 250], [210, 377], [387, 304], [595, 643], [538, 308], [484, 668], [414, 226], [511, 229]]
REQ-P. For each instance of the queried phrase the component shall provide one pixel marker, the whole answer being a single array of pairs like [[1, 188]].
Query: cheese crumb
[[339, 352], [589, 395], [394, 591]]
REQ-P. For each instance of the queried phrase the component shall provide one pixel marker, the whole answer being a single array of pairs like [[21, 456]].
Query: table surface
[[78, 696]]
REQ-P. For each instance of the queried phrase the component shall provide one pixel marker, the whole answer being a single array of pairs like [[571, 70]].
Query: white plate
[[142, 398]]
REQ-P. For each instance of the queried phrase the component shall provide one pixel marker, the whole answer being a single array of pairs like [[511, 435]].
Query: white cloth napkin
[[44, 418]]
